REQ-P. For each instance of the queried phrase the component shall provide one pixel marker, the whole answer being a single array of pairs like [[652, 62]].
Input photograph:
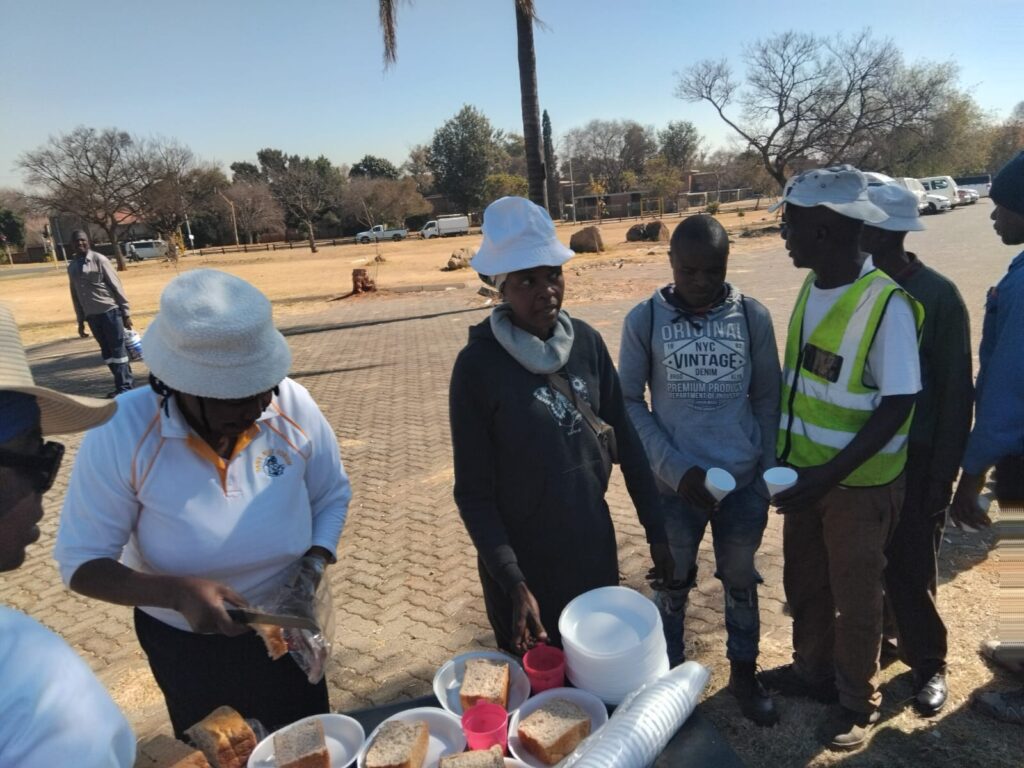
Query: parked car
[[926, 201], [967, 196], [139, 250], [444, 226], [379, 232], [942, 185], [980, 183], [936, 203]]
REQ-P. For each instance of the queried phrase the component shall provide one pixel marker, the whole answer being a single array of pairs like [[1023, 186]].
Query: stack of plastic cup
[[613, 642]]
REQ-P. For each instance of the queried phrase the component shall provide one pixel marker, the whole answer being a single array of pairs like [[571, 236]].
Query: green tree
[[374, 167], [526, 17], [460, 157], [638, 145], [249, 172], [663, 179], [503, 185], [307, 189], [679, 143], [551, 169], [12, 232], [417, 168]]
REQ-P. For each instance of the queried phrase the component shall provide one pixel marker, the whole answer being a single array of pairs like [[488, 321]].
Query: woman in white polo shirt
[[203, 492]]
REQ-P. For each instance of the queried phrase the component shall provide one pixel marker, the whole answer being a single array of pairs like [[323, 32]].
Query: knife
[[247, 616]]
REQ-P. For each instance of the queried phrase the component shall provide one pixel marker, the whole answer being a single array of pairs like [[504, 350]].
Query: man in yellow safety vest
[[850, 374]]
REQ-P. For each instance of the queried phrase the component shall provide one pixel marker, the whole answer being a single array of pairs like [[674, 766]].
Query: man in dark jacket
[[938, 435]]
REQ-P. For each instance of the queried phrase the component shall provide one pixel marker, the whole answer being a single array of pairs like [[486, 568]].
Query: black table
[[697, 743]]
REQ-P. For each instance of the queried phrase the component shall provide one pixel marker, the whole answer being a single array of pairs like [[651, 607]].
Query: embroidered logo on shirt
[[271, 463], [561, 407]]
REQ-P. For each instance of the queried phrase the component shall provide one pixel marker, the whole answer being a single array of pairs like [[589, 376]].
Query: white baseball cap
[[518, 234], [841, 188], [899, 204]]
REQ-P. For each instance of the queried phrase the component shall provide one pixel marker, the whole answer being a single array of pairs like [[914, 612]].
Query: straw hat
[[215, 337], [60, 413]]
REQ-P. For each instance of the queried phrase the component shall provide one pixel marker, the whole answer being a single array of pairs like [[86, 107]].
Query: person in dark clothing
[[938, 436], [530, 471], [99, 300]]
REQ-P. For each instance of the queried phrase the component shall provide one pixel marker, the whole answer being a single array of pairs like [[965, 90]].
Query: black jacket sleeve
[[951, 368], [636, 469], [471, 417]]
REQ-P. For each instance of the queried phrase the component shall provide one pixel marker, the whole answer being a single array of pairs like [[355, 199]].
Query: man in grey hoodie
[[709, 356]]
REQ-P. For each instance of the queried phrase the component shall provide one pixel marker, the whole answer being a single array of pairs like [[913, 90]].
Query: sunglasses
[[41, 468]]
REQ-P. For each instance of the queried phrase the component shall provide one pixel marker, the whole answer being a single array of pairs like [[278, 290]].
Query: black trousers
[[911, 576], [198, 673], [108, 330]]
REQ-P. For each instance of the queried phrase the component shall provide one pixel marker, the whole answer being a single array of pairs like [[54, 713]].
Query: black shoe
[[785, 681], [848, 729], [755, 703], [930, 693]]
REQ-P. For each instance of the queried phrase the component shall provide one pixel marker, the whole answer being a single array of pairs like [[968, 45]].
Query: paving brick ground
[[405, 588]]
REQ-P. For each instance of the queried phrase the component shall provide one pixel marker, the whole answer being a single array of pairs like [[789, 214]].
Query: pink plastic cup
[[485, 725], [545, 666]]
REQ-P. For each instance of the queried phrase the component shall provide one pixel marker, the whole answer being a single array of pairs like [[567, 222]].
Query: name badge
[[822, 363]]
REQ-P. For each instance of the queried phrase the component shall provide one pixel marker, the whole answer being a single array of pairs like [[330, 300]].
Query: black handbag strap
[[595, 422]]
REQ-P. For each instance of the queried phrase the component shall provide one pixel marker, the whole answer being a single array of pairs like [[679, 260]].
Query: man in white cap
[[851, 373], [938, 436], [53, 710]]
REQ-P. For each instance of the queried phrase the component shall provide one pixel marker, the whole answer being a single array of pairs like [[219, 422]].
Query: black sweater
[[529, 479]]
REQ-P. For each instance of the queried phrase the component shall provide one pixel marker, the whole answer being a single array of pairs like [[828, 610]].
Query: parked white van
[[147, 249], [944, 186], [443, 226]]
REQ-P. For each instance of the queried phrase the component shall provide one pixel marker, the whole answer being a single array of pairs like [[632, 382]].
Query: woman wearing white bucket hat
[[53, 710], [532, 395], [209, 489]]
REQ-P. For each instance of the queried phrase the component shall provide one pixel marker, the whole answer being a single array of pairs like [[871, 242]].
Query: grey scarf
[[532, 353]]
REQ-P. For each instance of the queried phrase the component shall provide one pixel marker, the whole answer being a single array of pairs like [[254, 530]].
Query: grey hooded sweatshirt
[[714, 381]]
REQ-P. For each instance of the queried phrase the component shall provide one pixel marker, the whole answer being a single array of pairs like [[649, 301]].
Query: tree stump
[[362, 282]]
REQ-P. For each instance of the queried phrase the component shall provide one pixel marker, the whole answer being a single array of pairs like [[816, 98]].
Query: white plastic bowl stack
[[613, 642]]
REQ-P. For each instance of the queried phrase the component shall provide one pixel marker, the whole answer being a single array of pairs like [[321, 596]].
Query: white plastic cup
[[719, 483], [779, 479]]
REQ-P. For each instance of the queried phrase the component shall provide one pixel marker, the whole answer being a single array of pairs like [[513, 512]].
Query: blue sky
[[228, 77]]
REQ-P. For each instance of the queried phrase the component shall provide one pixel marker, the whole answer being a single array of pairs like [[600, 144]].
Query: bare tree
[[382, 201], [184, 186], [97, 176], [307, 189], [256, 209], [417, 168], [818, 100], [606, 149]]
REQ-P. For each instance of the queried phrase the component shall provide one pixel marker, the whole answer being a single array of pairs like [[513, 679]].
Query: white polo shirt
[[147, 491], [53, 710]]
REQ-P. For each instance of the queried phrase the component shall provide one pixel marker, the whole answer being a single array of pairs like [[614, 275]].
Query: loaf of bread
[[554, 730], [399, 744], [301, 746], [167, 752], [484, 680], [224, 737], [478, 758], [273, 637]]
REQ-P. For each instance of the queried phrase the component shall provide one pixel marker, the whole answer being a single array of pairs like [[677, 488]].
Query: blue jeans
[[736, 527]]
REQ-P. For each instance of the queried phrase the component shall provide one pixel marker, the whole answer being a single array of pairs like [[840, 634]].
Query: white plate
[[344, 737], [511, 762], [446, 736], [448, 680], [588, 702]]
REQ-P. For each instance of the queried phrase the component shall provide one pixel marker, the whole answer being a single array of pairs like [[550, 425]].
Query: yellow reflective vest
[[825, 401]]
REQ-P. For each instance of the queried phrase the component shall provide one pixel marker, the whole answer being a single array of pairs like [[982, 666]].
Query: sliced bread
[[273, 637], [164, 751], [224, 737], [484, 680], [399, 744], [301, 746], [554, 730], [478, 758]]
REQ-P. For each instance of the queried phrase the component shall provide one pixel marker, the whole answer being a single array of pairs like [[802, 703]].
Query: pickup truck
[[379, 232]]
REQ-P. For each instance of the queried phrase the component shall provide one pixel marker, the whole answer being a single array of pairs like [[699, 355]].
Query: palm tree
[[526, 17]]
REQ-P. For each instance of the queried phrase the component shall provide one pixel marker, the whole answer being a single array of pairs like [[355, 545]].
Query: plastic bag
[[307, 594]]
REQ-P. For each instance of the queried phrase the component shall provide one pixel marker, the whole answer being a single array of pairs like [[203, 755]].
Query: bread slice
[[554, 730], [224, 737], [273, 637], [164, 751], [301, 746], [478, 758], [484, 680], [399, 744]]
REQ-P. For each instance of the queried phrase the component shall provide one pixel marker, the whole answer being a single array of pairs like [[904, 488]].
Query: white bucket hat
[[841, 188], [899, 204], [59, 413], [518, 234], [214, 337]]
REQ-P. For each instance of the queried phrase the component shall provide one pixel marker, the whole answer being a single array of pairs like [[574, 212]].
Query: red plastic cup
[[485, 725], [545, 666]]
